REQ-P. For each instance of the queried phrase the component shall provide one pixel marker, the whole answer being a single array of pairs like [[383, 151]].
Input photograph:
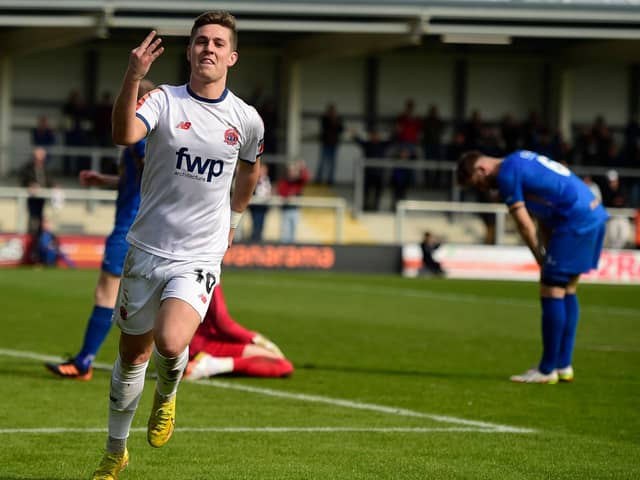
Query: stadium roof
[[533, 18], [36, 24]]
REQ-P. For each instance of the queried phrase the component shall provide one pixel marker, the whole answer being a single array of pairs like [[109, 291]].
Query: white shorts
[[148, 279]]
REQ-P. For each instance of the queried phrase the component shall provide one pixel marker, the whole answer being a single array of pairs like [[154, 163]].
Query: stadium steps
[[319, 225]]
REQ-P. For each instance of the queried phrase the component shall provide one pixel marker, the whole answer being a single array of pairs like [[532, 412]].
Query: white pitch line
[[45, 358], [314, 399], [59, 430], [364, 406]]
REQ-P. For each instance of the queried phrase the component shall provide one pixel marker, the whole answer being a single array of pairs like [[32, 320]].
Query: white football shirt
[[193, 145]]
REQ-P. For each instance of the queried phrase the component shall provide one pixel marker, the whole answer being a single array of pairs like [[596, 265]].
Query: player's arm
[[246, 180], [126, 127], [527, 229], [267, 344], [91, 178]]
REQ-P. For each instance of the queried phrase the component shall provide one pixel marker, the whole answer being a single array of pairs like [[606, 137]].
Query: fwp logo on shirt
[[196, 167]]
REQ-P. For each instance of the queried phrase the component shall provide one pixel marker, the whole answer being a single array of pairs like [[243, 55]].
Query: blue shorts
[[570, 254], [115, 251]]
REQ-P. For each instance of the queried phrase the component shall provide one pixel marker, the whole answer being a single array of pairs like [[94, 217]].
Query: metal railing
[[389, 164], [406, 207], [91, 196]]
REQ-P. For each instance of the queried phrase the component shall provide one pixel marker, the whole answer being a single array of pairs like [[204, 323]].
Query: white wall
[[499, 86], [600, 89], [424, 78]]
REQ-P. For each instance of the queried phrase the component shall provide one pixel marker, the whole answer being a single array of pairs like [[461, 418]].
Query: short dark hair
[[218, 17], [466, 166]]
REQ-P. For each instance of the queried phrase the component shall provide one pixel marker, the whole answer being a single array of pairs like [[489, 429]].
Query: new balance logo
[[196, 166], [184, 125]]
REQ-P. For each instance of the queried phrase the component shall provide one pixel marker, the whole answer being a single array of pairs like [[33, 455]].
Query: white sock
[[217, 365], [127, 383], [169, 371]]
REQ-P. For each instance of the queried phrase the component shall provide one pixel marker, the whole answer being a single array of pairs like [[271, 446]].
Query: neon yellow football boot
[[566, 374], [111, 465], [161, 421]]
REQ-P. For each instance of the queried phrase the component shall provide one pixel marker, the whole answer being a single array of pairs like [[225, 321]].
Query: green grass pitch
[[395, 379]]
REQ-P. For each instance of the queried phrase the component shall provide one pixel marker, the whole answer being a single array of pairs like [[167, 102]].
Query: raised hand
[[144, 55], [264, 342], [90, 178]]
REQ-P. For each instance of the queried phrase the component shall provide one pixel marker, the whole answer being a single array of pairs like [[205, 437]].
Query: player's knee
[[555, 279], [169, 348], [104, 298], [106, 292]]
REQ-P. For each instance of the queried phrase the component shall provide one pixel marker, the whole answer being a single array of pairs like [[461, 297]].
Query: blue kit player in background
[[128, 183], [567, 242]]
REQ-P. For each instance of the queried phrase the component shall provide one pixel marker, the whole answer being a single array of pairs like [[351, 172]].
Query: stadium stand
[[524, 60]]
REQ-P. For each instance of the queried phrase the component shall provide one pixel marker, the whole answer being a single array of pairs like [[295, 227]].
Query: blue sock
[[572, 312], [97, 330], [553, 322]]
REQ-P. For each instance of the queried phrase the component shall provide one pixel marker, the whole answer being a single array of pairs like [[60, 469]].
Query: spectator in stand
[[102, 121], [631, 157], [259, 210], [42, 135], [614, 195], [473, 130], [545, 143], [593, 186], [489, 144], [432, 132], [566, 151], [587, 148], [35, 177], [408, 129], [530, 128], [290, 187], [330, 133], [222, 346], [269, 115], [428, 246], [510, 131], [457, 146], [400, 177], [603, 142], [631, 149], [75, 114], [373, 147]]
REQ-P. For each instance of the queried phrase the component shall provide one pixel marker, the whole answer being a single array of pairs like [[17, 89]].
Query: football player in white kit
[[195, 135]]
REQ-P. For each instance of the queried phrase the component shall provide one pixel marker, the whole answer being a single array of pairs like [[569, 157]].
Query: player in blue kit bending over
[[567, 242], [128, 183]]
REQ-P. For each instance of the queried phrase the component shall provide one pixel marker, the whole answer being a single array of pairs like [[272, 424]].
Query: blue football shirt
[[128, 199], [550, 191]]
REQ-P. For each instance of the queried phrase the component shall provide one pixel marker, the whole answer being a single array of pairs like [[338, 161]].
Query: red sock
[[262, 367]]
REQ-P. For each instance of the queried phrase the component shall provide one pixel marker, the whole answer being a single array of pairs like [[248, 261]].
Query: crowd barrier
[[515, 263]]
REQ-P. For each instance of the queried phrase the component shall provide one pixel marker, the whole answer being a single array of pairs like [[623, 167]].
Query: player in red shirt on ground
[[220, 345]]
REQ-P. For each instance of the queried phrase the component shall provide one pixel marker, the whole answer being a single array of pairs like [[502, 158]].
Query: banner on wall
[[83, 251], [515, 263], [87, 252]]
